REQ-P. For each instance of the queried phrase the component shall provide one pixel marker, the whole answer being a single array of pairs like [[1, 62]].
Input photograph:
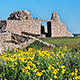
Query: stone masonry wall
[[4, 45], [22, 22], [58, 29], [29, 25]]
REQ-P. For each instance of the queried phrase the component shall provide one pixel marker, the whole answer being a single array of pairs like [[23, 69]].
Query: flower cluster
[[59, 64]]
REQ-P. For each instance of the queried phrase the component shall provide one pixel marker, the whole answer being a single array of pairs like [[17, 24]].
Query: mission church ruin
[[20, 22]]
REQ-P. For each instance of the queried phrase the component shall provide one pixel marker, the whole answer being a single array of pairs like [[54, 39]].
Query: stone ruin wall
[[21, 21], [58, 29], [4, 46], [11, 30], [19, 26]]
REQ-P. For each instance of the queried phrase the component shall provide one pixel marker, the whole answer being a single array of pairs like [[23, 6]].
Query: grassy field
[[63, 41]]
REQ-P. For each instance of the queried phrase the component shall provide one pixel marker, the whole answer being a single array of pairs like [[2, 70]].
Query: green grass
[[71, 42], [36, 45], [63, 41]]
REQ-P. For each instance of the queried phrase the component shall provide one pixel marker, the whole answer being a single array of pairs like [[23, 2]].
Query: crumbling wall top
[[55, 17], [20, 15]]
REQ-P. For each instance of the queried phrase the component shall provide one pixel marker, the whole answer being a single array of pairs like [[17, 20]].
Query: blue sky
[[68, 10]]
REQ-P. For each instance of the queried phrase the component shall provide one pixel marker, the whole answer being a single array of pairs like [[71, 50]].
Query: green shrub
[[58, 64]]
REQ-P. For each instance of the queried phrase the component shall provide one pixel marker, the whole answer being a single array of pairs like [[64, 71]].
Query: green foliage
[[36, 45], [39, 62], [57, 64]]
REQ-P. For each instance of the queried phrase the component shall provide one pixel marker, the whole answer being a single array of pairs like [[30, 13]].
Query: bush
[[58, 64]]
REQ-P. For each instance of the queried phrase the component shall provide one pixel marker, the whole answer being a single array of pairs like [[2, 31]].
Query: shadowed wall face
[[3, 24], [42, 29], [49, 29]]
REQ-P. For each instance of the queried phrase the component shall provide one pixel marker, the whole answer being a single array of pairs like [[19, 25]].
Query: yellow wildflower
[[77, 77], [72, 73], [51, 79], [55, 76], [51, 57], [32, 58], [75, 74], [52, 52], [70, 78], [28, 67], [50, 66], [29, 63], [57, 63], [76, 70], [63, 67], [43, 70], [62, 55], [54, 71], [57, 69], [23, 70], [32, 69], [58, 55], [35, 70], [25, 61], [37, 63], [5, 79], [63, 71], [60, 52], [34, 65], [5, 58], [11, 66], [26, 71], [47, 70], [39, 73], [15, 63]]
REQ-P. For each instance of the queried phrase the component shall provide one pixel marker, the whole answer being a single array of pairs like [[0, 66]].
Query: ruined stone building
[[55, 28], [20, 22]]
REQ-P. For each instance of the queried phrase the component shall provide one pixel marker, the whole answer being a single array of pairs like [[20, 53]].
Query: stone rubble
[[20, 15]]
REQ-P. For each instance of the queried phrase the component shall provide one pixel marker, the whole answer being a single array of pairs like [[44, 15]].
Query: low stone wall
[[4, 46]]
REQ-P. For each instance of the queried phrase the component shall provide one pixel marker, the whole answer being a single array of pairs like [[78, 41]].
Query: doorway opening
[[49, 29], [46, 28]]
